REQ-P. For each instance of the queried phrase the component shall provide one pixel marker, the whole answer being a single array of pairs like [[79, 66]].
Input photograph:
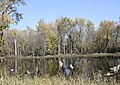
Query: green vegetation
[[64, 36], [8, 15], [51, 81], [38, 52]]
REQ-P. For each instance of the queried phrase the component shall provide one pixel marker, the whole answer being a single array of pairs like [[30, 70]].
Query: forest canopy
[[64, 36]]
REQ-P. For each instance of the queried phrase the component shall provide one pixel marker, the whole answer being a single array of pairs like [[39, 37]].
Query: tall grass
[[50, 81]]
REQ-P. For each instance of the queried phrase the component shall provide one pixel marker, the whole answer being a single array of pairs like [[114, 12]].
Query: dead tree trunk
[[87, 69], [15, 44]]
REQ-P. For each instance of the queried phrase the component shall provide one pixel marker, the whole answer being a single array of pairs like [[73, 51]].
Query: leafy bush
[[53, 67]]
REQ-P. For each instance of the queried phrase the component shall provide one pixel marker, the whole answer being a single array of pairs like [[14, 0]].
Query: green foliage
[[53, 67], [90, 24], [106, 28], [52, 44], [51, 81], [1, 9], [1, 51], [64, 36], [80, 22], [9, 14]]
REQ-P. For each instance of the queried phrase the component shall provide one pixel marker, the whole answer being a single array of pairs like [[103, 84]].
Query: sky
[[50, 10]]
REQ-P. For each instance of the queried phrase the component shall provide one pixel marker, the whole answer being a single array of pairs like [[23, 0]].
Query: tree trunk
[[59, 40], [106, 45], [71, 50], [44, 48], [64, 48], [15, 44], [59, 60], [87, 70], [1, 41]]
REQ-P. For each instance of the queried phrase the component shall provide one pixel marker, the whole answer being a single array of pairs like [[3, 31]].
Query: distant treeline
[[64, 36]]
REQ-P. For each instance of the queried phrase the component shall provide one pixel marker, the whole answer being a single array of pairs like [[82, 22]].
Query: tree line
[[64, 36]]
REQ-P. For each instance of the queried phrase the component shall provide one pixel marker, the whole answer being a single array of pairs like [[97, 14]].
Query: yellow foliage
[[7, 19], [107, 28], [14, 32], [52, 43]]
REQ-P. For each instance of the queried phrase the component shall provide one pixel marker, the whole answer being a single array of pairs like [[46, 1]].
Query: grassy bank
[[50, 81]]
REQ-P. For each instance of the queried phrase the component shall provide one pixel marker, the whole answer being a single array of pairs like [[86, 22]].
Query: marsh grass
[[50, 81]]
